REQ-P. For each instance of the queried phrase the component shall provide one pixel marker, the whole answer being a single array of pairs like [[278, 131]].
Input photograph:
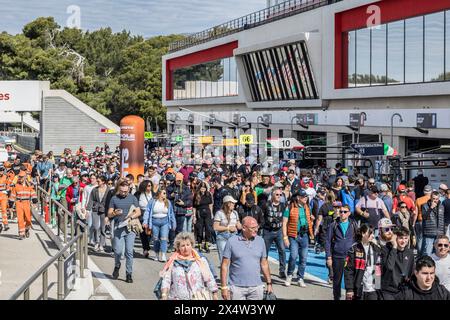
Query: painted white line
[[107, 283], [307, 275]]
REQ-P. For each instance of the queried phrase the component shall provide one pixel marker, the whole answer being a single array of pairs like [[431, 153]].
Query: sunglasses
[[343, 211], [247, 185], [403, 207], [442, 245], [278, 194], [388, 229]]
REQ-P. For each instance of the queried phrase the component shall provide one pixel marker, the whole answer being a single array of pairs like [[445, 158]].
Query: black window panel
[[309, 69], [270, 78], [276, 62], [251, 80], [299, 74], [296, 93], [275, 75], [289, 70], [296, 75], [304, 72], [259, 77], [265, 81]]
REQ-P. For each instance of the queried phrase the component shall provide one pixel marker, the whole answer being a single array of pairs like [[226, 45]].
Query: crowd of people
[[382, 243]]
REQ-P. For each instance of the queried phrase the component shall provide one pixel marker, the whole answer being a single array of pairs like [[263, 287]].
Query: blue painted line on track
[[315, 264]]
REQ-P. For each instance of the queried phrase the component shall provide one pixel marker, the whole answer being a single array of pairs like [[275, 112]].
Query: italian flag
[[389, 151]]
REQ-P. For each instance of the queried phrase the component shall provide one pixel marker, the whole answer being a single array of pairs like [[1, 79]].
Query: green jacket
[[67, 182]]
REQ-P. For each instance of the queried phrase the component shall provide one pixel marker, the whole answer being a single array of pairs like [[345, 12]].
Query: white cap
[[443, 186], [228, 199]]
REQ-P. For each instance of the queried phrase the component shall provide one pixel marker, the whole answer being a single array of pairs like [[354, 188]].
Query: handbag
[[134, 225], [157, 289], [269, 296], [81, 213]]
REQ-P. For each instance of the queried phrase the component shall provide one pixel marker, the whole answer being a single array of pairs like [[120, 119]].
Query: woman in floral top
[[186, 276]]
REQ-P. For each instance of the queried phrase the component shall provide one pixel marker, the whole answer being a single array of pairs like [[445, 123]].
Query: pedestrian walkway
[[146, 275], [20, 259]]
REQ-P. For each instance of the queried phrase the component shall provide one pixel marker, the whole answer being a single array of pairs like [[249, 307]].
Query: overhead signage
[[369, 149], [148, 135], [205, 140], [246, 139], [427, 120], [284, 143], [230, 142], [355, 118], [307, 118], [179, 138]]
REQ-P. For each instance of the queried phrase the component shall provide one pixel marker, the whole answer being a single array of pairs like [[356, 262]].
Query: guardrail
[[78, 237], [252, 20]]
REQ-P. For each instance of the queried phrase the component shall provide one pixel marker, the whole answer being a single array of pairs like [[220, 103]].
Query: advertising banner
[[132, 146]]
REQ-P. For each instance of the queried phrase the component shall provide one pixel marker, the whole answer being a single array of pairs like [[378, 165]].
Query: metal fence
[[76, 242], [255, 19]]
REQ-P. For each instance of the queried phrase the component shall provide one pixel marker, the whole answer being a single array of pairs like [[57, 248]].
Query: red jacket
[[70, 195]]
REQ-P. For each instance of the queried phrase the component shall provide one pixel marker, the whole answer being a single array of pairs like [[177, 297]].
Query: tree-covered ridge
[[115, 73]]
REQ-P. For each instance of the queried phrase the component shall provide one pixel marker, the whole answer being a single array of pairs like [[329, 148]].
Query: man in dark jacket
[[398, 263], [251, 209], [424, 284], [272, 228], [340, 238], [432, 223]]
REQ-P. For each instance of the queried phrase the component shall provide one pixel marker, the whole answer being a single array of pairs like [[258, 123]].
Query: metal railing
[[78, 238], [252, 20]]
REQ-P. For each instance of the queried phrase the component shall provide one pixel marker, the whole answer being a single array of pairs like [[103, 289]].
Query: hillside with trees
[[117, 74]]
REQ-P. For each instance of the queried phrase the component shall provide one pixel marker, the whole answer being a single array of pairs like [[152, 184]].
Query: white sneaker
[[212, 246], [287, 283], [301, 283], [101, 249], [154, 256], [97, 247], [163, 258]]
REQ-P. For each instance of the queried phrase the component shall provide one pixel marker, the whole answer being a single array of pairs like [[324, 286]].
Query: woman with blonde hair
[[226, 224], [159, 217], [187, 276]]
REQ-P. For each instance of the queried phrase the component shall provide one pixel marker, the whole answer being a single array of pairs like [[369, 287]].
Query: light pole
[[362, 115], [266, 124], [392, 126]]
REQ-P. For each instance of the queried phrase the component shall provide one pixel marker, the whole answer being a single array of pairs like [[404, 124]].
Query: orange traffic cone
[[47, 214]]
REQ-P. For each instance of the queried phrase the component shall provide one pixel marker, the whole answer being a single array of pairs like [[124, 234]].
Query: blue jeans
[[187, 225], [419, 235], [180, 224], [427, 246], [123, 237], [298, 248], [277, 236], [221, 241], [160, 233]]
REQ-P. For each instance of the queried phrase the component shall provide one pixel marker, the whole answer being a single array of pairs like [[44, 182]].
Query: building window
[[413, 50], [434, 47], [281, 73], [211, 79]]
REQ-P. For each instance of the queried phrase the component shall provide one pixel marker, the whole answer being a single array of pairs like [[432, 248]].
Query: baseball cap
[[428, 188], [300, 193], [337, 204], [371, 180], [443, 186], [384, 187], [229, 199], [170, 170], [179, 176], [385, 223], [345, 170], [401, 188]]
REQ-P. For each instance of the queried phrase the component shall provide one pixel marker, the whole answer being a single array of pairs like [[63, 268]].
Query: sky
[[140, 17]]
